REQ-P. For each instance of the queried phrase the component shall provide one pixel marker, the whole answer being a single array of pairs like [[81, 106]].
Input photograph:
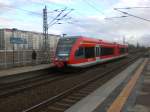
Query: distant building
[[32, 40]]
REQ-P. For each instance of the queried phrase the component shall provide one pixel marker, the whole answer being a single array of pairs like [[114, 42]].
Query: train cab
[[63, 51]]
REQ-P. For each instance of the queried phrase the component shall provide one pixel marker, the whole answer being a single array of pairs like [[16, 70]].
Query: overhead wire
[[133, 7], [29, 11], [126, 13], [92, 6], [61, 18], [115, 17], [24, 10], [58, 15]]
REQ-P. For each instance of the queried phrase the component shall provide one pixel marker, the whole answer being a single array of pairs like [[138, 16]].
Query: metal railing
[[10, 58]]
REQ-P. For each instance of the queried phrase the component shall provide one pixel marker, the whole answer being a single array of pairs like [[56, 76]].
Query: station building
[[18, 52], [33, 40]]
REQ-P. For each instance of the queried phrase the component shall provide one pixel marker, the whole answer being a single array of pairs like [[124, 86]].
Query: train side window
[[97, 51], [122, 50], [127, 50], [80, 53], [89, 52], [107, 51]]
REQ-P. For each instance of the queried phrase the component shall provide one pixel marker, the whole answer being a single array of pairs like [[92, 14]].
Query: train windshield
[[64, 46]]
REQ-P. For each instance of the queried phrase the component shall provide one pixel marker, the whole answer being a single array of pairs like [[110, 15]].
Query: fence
[[16, 47], [9, 58]]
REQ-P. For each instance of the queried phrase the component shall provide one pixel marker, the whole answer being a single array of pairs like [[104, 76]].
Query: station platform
[[25, 69], [126, 92]]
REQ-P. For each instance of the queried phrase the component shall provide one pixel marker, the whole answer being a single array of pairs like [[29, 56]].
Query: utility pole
[[45, 35], [60, 16], [45, 28]]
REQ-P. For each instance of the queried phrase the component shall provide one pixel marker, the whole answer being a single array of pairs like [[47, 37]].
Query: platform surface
[[19, 70], [142, 102], [93, 102]]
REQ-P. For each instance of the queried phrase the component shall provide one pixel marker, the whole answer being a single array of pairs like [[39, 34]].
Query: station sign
[[18, 40]]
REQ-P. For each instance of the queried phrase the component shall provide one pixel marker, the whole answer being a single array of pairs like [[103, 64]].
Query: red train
[[79, 51]]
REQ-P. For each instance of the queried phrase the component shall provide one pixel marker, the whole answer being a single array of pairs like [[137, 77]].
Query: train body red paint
[[79, 51]]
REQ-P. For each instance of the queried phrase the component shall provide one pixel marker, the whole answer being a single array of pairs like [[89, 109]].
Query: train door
[[97, 52]]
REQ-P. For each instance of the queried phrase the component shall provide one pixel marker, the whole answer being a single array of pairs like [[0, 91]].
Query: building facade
[[33, 40], [16, 47]]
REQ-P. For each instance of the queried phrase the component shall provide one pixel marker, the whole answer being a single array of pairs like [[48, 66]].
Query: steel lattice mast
[[45, 27]]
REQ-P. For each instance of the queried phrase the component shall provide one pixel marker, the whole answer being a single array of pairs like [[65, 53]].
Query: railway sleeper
[[74, 97], [93, 87], [60, 105], [88, 90], [54, 109], [66, 102], [79, 95], [69, 100], [84, 92]]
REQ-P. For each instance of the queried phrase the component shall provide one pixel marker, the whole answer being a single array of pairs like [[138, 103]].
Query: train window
[[122, 50], [80, 53], [97, 51], [89, 52], [107, 51], [64, 46], [127, 50]]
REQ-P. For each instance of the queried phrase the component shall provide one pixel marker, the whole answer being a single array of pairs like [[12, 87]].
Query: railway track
[[29, 83], [62, 101], [23, 85], [25, 98], [10, 89]]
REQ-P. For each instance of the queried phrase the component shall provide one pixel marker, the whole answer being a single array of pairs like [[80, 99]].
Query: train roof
[[72, 37], [84, 38]]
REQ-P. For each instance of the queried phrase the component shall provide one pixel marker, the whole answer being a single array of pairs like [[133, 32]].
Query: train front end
[[63, 51]]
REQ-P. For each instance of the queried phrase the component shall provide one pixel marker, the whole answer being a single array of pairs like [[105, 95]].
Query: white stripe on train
[[86, 64]]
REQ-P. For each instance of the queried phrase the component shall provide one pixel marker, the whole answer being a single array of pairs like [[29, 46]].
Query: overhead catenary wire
[[32, 12], [92, 6], [24, 10], [40, 14], [133, 8], [116, 17], [126, 13], [61, 18], [29, 11], [58, 15]]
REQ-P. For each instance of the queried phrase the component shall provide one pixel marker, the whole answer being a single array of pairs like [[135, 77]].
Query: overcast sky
[[88, 18]]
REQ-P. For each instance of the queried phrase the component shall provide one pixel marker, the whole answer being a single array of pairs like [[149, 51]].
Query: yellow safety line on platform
[[119, 102]]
